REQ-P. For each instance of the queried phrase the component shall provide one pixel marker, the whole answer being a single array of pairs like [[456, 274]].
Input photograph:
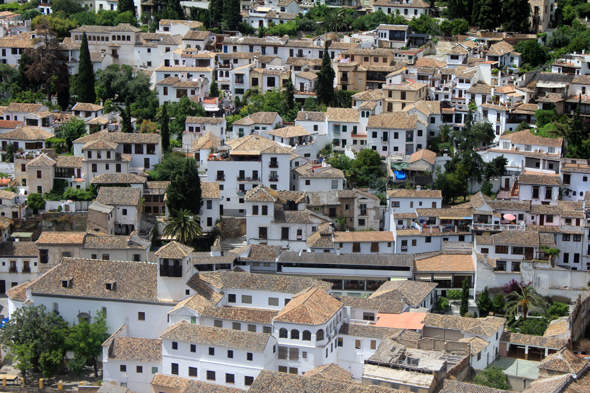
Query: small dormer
[[66, 282], [110, 285]]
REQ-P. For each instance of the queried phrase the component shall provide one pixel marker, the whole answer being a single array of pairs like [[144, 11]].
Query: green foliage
[[343, 98], [50, 362], [459, 9], [213, 90], [9, 156], [36, 202], [126, 125], [454, 294], [164, 130], [532, 326], [184, 191], [525, 300], [325, 82], [77, 364], [459, 26], [119, 82], [464, 308], [232, 16], [484, 303], [441, 304], [499, 304], [289, 28], [58, 25], [216, 11], [424, 24], [516, 15], [183, 226], [557, 310], [532, 52], [370, 21], [486, 188], [450, 184], [180, 111], [86, 339], [522, 126], [65, 8], [170, 166], [558, 39], [126, 6], [493, 377], [487, 14], [84, 87], [72, 130], [79, 194], [289, 93], [551, 251]]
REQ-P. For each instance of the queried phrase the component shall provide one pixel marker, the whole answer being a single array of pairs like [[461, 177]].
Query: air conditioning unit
[[404, 248]]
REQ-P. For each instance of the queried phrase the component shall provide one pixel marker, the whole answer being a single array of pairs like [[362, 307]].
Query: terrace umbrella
[[509, 217]]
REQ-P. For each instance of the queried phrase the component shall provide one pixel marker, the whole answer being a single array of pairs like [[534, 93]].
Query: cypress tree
[[184, 191], [164, 130], [126, 5], [85, 79], [515, 15], [213, 90], [126, 125], [464, 309], [233, 16], [325, 83], [216, 11], [289, 93]]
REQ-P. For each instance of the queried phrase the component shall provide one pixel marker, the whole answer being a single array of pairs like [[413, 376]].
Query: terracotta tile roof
[[99, 145], [411, 292], [533, 178], [308, 75], [310, 171], [27, 134], [119, 196], [61, 238], [369, 95], [136, 349], [21, 107], [87, 107], [332, 372], [320, 240], [133, 281], [485, 327], [210, 190], [404, 193], [258, 118], [343, 114], [68, 162], [557, 328], [445, 263], [500, 48], [458, 50], [310, 116], [255, 144], [246, 314], [429, 62], [190, 385], [480, 88], [174, 250], [563, 361], [552, 385], [428, 107], [363, 236], [19, 249], [477, 344], [204, 120], [580, 385], [228, 338], [528, 138], [41, 161], [380, 305], [161, 185], [9, 123], [510, 238], [395, 120], [19, 292], [198, 302], [367, 331], [119, 178], [263, 253], [272, 381], [451, 386], [261, 193], [7, 194], [258, 282], [314, 307], [299, 217], [207, 141], [120, 137], [132, 242], [121, 27], [424, 154], [198, 35], [289, 132], [375, 260]]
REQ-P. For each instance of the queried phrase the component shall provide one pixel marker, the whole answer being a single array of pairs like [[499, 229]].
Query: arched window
[[581, 193], [118, 38], [102, 38], [283, 333], [306, 335], [56, 307], [84, 317], [114, 38], [128, 38], [227, 74], [574, 193], [294, 334], [319, 335]]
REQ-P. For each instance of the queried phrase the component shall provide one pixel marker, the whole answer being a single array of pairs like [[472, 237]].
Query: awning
[[422, 276], [442, 276], [455, 218]]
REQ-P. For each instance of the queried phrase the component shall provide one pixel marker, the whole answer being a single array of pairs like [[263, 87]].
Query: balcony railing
[[12, 270], [498, 227], [220, 178], [273, 165], [240, 178], [26, 269], [239, 82], [273, 178], [227, 66]]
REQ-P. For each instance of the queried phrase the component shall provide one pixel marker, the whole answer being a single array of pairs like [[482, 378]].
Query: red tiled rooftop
[[407, 320]]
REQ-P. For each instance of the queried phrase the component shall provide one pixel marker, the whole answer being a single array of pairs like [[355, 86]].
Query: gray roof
[[121, 196], [347, 259], [99, 207]]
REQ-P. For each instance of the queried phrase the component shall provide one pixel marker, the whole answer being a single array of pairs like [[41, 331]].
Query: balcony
[[13, 270], [239, 81], [220, 178], [26, 269], [409, 139], [224, 66], [273, 178], [498, 227], [273, 165], [240, 178]]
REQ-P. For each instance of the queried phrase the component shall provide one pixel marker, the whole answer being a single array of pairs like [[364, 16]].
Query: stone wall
[[64, 222], [233, 227]]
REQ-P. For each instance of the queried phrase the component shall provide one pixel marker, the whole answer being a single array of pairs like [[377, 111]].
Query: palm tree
[[184, 226], [334, 20], [525, 300]]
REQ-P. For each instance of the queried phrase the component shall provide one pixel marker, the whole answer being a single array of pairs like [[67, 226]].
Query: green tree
[[66, 8], [171, 164], [120, 82], [499, 304], [335, 19], [164, 130], [289, 93], [557, 310], [523, 301], [36, 202], [213, 90], [532, 52], [558, 39], [22, 80], [486, 14], [493, 377], [59, 26], [184, 191], [367, 167], [9, 156], [180, 111], [31, 332], [522, 126], [450, 185], [484, 303], [487, 188], [534, 326], [72, 130], [126, 6], [232, 14], [126, 125], [184, 226], [216, 11], [84, 18], [464, 308], [325, 82], [126, 17], [516, 15], [84, 87], [85, 339]]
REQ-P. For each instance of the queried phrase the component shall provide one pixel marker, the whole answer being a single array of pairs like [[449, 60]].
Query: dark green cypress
[[85, 79]]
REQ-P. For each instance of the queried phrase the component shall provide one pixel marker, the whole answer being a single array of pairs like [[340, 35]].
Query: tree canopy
[[184, 191]]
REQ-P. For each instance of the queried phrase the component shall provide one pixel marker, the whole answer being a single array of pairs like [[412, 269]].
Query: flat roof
[[406, 320]]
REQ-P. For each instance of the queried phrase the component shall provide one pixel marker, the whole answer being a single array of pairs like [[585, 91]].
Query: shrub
[[454, 294], [442, 303], [557, 310], [499, 304]]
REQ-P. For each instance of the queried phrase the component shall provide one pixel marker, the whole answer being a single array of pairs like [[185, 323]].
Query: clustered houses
[[322, 285]]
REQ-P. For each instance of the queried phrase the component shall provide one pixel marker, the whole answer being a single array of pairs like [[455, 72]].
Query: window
[[265, 210], [356, 247], [252, 328], [210, 375], [249, 356], [236, 326], [229, 378], [174, 345], [154, 370], [357, 344], [340, 342], [501, 266], [515, 266], [308, 182], [334, 184], [193, 348], [283, 353], [501, 249], [174, 369], [231, 298], [373, 344], [123, 368], [577, 238], [414, 242], [549, 218], [192, 371], [518, 250], [139, 369], [247, 299], [565, 238], [124, 212], [374, 247], [566, 257], [211, 351], [141, 316], [273, 301], [248, 381], [255, 210]]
